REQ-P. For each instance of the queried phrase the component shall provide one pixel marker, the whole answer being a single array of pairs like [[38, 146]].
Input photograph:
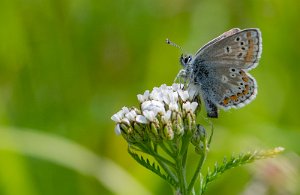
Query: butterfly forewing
[[242, 49], [222, 36]]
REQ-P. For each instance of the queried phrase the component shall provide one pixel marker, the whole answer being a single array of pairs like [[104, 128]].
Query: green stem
[[181, 176], [162, 162], [199, 166], [153, 152], [185, 144], [181, 164], [184, 149], [148, 149], [166, 169], [184, 158], [211, 135]]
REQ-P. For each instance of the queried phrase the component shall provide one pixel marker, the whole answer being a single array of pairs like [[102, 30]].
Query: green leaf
[[152, 167], [236, 161]]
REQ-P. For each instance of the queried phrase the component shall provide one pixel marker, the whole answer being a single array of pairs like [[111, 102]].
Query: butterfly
[[218, 72]]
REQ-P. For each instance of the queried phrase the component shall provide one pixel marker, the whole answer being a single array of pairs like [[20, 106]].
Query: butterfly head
[[185, 59]]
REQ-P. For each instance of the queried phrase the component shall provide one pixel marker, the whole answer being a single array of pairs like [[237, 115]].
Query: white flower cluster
[[157, 106]]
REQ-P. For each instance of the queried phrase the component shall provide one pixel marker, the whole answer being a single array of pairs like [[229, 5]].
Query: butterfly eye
[[187, 59], [184, 60]]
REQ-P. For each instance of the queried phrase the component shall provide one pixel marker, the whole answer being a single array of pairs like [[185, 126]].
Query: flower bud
[[154, 132], [168, 132], [198, 136], [139, 129], [179, 127], [125, 128]]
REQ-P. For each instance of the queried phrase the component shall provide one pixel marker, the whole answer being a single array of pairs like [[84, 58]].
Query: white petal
[[118, 129], [140, 98], [146, 105], [173, 106], [166, 98], [153, 105], [160, 97], [186, 106], [157, 103], [125, 110], [146, 94], [121, 113], [141, 119], [117, 117], [184, 95], [131, 115], [154, 91], [154, 95], [175, 96], [175, 86], [194, 106], [126, 121], [143, 97], [167, 116], [150, 115], [193, 91], [163, 87], [157, 110]]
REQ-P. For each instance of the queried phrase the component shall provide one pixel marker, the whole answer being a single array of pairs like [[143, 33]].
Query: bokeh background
[[67, 66]]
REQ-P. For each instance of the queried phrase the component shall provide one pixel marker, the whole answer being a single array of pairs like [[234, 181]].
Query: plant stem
[[185, 144], [198, 169], [181, 164], [160, 160], [166, 168], [181, 175], [184, 149]]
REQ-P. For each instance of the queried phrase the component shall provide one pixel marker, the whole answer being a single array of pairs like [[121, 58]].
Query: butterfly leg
[[180, 76]]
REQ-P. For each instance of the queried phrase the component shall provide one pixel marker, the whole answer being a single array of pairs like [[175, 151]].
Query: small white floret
[[194, 106], [118, 129], [167, 116], [141, 119], [150, 115], [131, 115]]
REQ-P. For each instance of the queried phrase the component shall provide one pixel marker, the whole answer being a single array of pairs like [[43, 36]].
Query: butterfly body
[[219, 70]]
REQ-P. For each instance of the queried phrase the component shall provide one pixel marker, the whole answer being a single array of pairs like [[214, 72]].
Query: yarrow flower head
[[163, 126], [164, 113]]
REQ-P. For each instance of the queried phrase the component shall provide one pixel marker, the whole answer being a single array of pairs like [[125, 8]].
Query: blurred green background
[[67, 66]]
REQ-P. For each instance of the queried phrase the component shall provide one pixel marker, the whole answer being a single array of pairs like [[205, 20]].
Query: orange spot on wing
[[245, 79], [226, 101], [249, 54], [234, 98], [246, 90], [242, 73]]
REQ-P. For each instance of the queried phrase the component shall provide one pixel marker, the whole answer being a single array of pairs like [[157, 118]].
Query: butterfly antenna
[[174, 44]]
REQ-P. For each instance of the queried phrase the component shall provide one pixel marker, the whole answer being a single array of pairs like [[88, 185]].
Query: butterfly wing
[[239, 48], [233, 88], [222, 36], [220, 70]]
